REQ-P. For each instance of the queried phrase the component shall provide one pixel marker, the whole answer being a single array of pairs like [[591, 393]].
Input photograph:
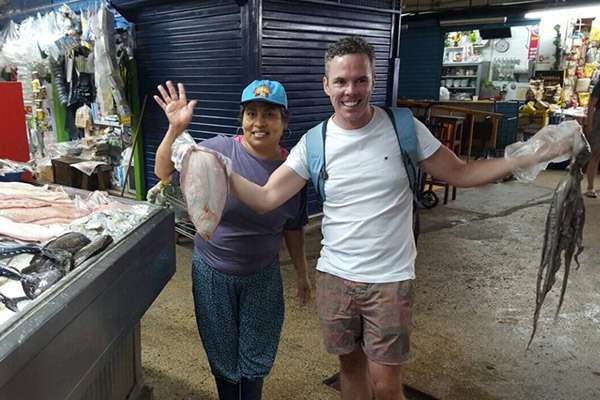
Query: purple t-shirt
[[246, 242]]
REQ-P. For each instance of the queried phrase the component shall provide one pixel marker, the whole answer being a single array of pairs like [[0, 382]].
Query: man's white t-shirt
[[367, 214]]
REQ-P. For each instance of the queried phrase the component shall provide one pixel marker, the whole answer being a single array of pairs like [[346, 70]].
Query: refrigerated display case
[[81, 338]]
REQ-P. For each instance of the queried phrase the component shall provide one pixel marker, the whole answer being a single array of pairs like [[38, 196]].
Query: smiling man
[[348, 82], [365, 271]]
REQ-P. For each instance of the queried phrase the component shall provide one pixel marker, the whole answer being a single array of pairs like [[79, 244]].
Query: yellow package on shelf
[[588, 70], [584, 98], [528, 108], [126, 120], [533, 120]]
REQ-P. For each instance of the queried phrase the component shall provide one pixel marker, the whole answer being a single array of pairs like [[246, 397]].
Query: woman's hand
[[176, 107], [179, 113], [303, 290]]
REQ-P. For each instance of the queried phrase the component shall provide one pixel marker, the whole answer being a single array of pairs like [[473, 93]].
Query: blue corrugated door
[[421, 53], [293, 38], [198, 43], [216, 47]]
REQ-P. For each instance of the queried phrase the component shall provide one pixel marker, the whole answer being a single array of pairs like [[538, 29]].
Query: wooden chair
[[448, 129]]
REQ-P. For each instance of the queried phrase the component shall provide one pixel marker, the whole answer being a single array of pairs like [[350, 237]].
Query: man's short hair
[[349, 45]]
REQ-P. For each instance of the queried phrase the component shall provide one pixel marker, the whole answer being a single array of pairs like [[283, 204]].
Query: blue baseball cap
[[268, 91]]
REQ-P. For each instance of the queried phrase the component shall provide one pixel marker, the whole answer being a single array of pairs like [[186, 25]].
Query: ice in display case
[[81, 338]]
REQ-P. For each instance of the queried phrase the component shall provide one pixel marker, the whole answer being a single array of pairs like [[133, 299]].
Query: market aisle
[[476, 296], [476, 273], [175, 364]]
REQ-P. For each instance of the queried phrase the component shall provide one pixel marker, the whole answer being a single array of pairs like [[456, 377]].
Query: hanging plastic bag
[[568, 134], [180, 147], [8, 33]]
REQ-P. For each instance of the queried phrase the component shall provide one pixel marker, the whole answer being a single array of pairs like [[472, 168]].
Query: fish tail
[[11, 304]]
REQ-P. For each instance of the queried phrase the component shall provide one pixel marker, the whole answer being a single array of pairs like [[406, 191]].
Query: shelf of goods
[[80, 339], [531, 122], [464, 79]]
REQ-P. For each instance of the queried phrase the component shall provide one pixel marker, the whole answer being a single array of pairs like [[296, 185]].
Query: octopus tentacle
[[563, 236]]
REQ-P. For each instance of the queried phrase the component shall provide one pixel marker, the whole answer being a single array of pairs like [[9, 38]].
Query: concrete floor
[[476, 274]]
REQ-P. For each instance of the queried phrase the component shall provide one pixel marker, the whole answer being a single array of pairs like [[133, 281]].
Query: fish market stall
[[79, 337]]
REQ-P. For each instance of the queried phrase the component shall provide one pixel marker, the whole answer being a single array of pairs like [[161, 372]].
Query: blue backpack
[[404, 126]]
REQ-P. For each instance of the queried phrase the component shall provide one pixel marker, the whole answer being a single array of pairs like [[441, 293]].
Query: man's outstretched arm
[[281, 186], [444, 164]]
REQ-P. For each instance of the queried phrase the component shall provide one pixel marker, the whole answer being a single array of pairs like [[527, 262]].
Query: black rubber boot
[[252, 388], [227, 390]]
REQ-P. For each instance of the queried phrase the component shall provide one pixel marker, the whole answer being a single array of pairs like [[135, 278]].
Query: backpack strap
[[404, 126], [315, 150]]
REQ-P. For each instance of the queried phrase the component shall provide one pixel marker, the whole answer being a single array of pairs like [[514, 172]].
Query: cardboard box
[[45, 174], [65, 174]]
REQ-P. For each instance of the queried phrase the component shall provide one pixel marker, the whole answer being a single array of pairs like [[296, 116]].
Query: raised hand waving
[[178, 110]]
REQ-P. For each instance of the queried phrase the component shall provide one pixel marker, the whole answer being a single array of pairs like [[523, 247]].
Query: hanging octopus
[[563, 239]]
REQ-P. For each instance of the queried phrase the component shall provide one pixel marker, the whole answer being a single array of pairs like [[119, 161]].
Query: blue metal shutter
[[293, 38], [421, 53], [198, 43]]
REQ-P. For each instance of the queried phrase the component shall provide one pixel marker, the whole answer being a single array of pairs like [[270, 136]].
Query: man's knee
[[353, 363]]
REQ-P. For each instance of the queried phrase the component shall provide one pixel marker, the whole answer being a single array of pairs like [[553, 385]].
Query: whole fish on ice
[[57, 253]]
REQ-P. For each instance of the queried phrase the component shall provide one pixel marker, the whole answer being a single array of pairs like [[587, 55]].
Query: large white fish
[[30, 232], [205, 185]]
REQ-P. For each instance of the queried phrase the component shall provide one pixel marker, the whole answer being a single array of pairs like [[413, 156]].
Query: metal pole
[[134, 142]]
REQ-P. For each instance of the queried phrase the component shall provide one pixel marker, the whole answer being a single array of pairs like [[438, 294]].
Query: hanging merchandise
[[595, 33], [77, 60], [83, 119], [534, 42], [588, 69], [9, 31], [58, 75], [581, 62], [36, 114], [109, 83], [29, 48]]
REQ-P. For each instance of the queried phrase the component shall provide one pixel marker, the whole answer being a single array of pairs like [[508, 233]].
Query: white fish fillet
[[34, 215], [30, 232], [20, 189], [19, 203], [205, 184]]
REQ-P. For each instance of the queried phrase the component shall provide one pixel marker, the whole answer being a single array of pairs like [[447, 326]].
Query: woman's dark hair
[[285, 114]]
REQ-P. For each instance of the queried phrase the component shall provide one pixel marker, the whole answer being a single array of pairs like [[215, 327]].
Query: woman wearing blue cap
[[237, 286]]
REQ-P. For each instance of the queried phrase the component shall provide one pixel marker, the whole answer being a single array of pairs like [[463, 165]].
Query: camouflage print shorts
[[376, 316]]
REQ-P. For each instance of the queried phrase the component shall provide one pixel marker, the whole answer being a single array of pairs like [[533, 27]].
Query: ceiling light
[[565, 12], [472, 21]]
